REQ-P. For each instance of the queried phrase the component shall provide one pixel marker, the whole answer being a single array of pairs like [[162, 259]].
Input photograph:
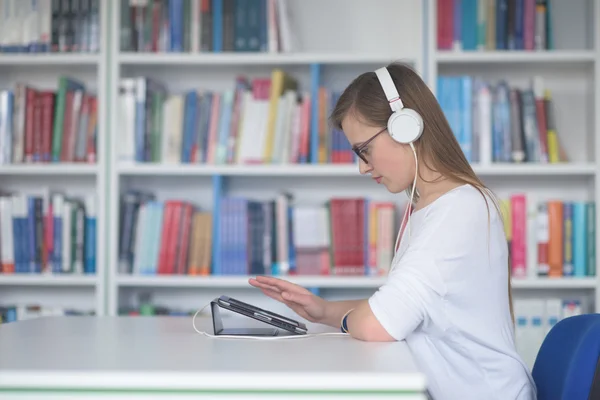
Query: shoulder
[[458, 223], [463, 209]]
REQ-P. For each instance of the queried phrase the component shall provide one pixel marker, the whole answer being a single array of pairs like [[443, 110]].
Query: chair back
[[568, 363]]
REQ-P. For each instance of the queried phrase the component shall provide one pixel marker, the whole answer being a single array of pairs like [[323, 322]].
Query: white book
[[45, 23], [172, 129], [58, 205], [6, 233], [553, 313], [5, 127], [484, 112], [19, 123], [126, 118], [12, 23], [278, 131], [30, 14], [246, 131], [195, 26]]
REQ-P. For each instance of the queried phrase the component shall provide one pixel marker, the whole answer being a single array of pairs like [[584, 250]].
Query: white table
[[55, 357]]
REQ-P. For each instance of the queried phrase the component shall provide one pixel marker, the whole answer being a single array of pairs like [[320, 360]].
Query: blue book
[[469, 24], [579, 239], [568, 238]]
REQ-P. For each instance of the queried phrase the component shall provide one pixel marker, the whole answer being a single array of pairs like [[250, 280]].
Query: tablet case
[[255, 313]]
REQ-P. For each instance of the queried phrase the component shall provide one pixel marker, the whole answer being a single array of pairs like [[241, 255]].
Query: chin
[[394, 188]]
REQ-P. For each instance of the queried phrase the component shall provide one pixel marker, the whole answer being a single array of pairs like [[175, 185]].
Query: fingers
[[298, 298], [272, 294], [281, 284], [260, 285]]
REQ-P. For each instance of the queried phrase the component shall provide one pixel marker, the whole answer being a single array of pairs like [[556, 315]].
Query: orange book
[[555, 240]]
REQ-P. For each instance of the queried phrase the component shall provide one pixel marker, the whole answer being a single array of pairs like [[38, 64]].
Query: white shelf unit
[[571, 71], [349, 52], [42, 71], [362, 44]]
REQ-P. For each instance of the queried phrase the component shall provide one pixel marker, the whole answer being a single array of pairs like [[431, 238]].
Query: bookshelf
[[337, 60], [567, 61], [28, 290], [330, 58], [333, 62]]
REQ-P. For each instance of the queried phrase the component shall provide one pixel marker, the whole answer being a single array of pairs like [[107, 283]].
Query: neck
[[431, 185]]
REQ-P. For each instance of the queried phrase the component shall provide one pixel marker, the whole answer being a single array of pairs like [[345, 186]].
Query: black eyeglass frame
[[358, 150]]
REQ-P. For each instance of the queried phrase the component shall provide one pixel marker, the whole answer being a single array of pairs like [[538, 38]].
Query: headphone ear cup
[[405, 126]]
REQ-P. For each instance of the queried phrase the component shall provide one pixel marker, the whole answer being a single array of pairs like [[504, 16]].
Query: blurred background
[[155, 154]]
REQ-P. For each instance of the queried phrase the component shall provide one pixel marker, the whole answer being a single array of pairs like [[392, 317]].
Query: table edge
[[235, 382]]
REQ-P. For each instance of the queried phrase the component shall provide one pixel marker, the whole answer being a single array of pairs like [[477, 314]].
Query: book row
[[344, 236], [52, 233], [534, 317], [23, 312], [43, 26], [262, 120], [472, 25], [552, 238], [48, 126], [206, 26], [494, 122]]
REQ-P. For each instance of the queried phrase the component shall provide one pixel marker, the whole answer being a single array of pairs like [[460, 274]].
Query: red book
[[92, 129], [519, 235], [163, 252], [30, 104], [445, 24], [47, 117], [173, 240], [67, 127], [184, 238]]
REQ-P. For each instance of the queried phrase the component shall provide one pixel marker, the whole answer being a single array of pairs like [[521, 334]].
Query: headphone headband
[[405, 125], [385, 79]]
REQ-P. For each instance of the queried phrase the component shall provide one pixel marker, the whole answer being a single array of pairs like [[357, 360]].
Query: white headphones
[[404, 125]]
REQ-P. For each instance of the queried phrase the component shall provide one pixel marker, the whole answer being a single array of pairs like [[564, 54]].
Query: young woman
[[448, 290]]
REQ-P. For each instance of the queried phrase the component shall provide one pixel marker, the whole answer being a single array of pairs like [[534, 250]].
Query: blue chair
[[568, 363]]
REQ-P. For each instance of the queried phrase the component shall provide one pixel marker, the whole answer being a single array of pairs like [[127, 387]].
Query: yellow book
[[553, 147], [280, 82], [323, 126]]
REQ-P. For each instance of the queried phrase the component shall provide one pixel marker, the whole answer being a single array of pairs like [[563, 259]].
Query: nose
[[363, 167]]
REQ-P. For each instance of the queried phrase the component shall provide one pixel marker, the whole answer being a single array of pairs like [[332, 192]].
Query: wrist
[[344, 321], [331, 315]]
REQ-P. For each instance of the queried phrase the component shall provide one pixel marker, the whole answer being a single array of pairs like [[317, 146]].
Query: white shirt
[[447, 297]]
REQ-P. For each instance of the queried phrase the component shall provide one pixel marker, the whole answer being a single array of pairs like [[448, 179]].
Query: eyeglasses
[[359, 150]]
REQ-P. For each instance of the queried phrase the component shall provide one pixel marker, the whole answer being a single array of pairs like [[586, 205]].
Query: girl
[[448, 290]]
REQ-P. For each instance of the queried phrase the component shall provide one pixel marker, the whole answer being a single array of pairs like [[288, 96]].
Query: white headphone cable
[[305, 336], [412, 193]]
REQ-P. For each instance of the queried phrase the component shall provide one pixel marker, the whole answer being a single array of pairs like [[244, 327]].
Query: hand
[[300, 300]]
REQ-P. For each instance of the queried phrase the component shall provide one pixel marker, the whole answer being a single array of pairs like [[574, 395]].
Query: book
[[48, 126], [50, 26], [484, 25], [244, 236], [48, 234], [264, 120], [500, 123], [207, 26]]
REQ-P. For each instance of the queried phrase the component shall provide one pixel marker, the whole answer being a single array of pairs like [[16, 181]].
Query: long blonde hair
[[438, 143]]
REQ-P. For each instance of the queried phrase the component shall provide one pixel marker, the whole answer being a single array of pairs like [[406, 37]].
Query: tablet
[[260, 314]]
